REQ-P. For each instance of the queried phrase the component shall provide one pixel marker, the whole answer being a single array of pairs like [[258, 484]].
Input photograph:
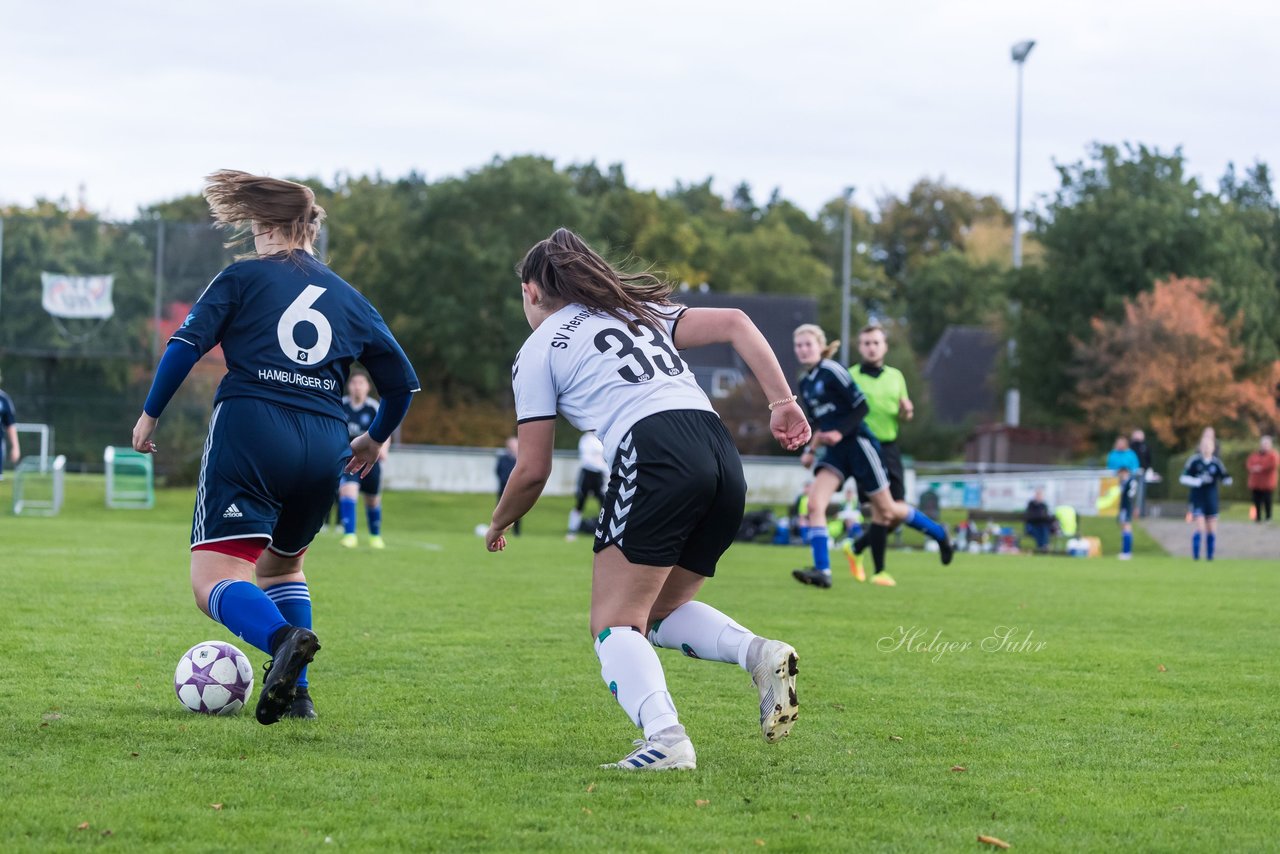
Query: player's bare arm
[[699, 326], [533, 468], [142, 433]]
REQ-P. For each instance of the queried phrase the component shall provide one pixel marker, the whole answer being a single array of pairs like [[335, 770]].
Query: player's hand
[[829, 437], [789, 426], [906, 409], [142, 432], [807, 459], [495, 539], [14, 455], [365, 453]]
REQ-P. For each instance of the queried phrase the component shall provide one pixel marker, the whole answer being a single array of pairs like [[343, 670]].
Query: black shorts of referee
[[892, 459]]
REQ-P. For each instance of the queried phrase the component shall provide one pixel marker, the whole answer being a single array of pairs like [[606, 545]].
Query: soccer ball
[[213, 678]]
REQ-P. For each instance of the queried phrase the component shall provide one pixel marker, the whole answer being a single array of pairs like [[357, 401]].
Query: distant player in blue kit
[[9, 424], [837, 409], [1203, 472], [289, 329], [361, 412], [1128, 498]]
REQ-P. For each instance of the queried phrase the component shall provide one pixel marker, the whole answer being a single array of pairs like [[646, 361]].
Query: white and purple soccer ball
[[213, 678]]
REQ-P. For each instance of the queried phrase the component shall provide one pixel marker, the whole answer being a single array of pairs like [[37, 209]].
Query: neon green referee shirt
[[883, 394]]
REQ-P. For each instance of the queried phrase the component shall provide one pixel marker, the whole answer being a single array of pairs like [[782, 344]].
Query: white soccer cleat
[[775, 676], [654, 755]]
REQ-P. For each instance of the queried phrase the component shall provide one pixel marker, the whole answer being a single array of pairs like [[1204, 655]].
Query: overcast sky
[[137, 100]]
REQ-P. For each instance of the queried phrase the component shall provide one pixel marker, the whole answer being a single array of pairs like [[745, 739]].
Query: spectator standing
[[1262, 478], [1122, 456], [1138, 444], [1039, 521]]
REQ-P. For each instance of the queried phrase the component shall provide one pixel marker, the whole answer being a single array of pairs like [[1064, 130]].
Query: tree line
[[437, 256]]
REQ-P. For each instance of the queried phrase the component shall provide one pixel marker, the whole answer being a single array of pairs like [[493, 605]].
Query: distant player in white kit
[[603, 354], [591, 471]]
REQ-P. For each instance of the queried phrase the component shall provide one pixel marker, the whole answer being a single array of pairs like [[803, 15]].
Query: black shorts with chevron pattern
[[676, 492]]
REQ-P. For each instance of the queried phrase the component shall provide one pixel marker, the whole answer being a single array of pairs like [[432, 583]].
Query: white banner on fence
[[77, 296], [1091, 493]]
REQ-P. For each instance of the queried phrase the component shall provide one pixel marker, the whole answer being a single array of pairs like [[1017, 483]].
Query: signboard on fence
[[77, 297], [1091, 493]]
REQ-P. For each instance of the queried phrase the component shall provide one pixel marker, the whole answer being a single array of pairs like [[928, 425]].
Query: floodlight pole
[[1013, 399], [157, 313], [846, 293]]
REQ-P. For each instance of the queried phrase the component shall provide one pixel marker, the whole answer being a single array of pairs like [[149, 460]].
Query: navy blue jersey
[[289, 329], [506, 465], [359, 418], [833, 400], [8, 415], [1128, 494], [1203, 476]]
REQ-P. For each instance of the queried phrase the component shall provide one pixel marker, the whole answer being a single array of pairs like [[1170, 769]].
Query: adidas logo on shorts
[[232, 512]]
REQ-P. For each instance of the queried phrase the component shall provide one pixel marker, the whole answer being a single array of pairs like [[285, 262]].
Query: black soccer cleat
[[946, 551], [301, 708], [280, 686], [816, 577]]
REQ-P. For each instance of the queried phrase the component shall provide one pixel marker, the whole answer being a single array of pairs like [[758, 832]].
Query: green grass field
[[462, 709]]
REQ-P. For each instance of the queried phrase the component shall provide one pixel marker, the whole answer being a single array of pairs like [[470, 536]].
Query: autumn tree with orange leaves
[[1172, 365]]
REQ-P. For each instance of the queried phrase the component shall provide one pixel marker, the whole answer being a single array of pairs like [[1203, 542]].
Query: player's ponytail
[[237, 200], [828, 350], [570, 271]]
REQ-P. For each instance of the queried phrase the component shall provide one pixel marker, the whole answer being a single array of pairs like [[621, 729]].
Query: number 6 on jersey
[[300, 311]]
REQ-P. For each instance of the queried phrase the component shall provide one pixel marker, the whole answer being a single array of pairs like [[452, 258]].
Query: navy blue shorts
[[1204, 502], [371, 484], [267, 471], [856, 457]]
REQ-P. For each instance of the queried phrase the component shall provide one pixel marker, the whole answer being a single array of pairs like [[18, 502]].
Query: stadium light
[[1019, 53], [846, 295]]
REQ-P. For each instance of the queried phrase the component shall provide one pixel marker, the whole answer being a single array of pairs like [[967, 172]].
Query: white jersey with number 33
[[600, 375]]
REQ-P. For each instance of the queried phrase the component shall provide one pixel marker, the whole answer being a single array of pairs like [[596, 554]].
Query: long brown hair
[[570, 271], [237, 200]]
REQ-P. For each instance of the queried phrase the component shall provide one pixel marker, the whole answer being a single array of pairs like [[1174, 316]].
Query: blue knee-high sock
[[820, 544], [1195, 545], [294, 601], [1126, 541], [1210, 540], [374, 515], [925, 525], [347, 513], [247, 612]]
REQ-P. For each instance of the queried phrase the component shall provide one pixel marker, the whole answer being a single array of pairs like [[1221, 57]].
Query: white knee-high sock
[[575, 521], [631, 669], [701, 631]]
